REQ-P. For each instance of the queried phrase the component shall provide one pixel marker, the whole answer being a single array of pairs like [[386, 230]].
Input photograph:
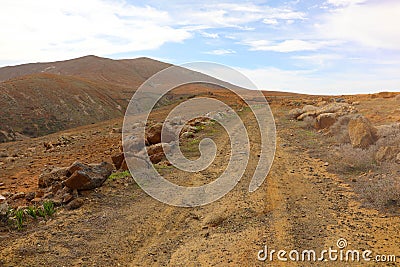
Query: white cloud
[[287, 45], [56, 29], [269, 21], [210, 35], [320, 60], [371, 24], [232, 14], [220, 52], [345, 2]]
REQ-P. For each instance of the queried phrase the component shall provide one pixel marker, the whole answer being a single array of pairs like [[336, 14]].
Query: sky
[[305, 46]]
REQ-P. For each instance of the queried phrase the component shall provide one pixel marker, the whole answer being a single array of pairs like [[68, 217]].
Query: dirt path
[[299, 206]]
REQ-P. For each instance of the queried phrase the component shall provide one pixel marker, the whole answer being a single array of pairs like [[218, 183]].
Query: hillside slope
[[42, 98]]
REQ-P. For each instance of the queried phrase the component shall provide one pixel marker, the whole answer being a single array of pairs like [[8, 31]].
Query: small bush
[[389, 135], [381, 192], [355, 160]]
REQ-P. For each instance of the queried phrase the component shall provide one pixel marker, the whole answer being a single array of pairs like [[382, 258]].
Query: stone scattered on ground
[[61, 185]]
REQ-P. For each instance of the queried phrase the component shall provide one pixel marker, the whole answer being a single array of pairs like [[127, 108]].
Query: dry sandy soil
[[300, 206]]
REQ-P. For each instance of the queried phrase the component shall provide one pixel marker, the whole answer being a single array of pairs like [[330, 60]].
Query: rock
[[309, 108], [132, 144], [294, 113], [90, 177], [156, 158], [30, 196], [341, 108], [339, 100], [312, 114], [6, 193], [18, 196], [75, 204], [39, 193], [157, 152], [213, 220], [78, 180], [118, 160], [199, 121], [48, 145], [321, 103], [124, 166], [362, 133], [325, 120], [8, 136], [76, 166], [116, 130], [356, 103], [49, 176], [67, 198], [187, 135], [176, 121], [154, 149], [36, 200], [48, 195], [153, 134], [386, 153]]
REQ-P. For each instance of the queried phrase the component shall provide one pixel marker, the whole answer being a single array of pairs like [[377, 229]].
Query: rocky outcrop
[[87, 177], [153, 135], [325, 120], [362, 133], [50, 176]]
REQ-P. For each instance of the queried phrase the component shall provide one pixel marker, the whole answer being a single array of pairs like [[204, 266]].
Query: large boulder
[[53, 175], [362, 133], [89, 176], [309, 108], [153, 134], [325, 120]]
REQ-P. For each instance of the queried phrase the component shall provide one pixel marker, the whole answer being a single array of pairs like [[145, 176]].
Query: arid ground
[[322, 187]]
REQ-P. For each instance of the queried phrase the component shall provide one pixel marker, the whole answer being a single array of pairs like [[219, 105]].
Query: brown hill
[[43, 98], [125, 72]]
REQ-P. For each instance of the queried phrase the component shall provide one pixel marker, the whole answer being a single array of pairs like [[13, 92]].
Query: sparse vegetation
[[31, 211], [375, 179], [48, 207], [119, 175], [19, 216]]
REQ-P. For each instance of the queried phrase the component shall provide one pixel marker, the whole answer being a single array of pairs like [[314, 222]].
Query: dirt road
[[300, 206]]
